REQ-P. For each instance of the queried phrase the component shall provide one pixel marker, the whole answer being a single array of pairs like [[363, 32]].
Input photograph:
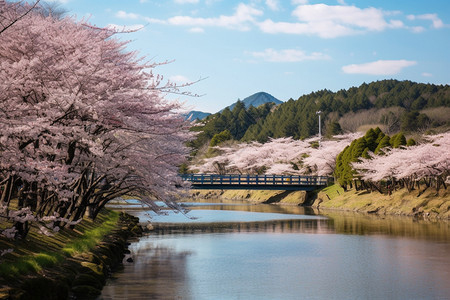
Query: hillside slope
[[298, 118]]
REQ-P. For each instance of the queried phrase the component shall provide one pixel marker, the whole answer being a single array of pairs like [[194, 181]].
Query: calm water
[[284, 253]]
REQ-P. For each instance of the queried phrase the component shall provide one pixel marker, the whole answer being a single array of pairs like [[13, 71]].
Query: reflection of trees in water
[[278, 226], [356, 223], [263, 208], [338, 222], [156, 273]]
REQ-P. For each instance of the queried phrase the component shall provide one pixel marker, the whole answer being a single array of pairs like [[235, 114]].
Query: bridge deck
[[258, 182]]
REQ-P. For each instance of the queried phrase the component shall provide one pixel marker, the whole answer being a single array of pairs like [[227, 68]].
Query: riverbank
[[71, 264], [428, 205], [254, 196]]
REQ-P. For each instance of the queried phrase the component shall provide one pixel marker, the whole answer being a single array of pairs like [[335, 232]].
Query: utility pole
[[320, 126]]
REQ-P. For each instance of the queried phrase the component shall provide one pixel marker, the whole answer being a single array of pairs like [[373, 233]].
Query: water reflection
[[147, 276], [264, 265], [242, 216], [396, 226], [309, 254]]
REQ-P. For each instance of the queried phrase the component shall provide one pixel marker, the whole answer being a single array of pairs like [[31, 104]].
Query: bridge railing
[[239, 179]]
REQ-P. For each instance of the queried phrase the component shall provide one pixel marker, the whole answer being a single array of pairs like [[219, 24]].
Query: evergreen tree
[[358, 148], [371, 138], [411, 142], [399, 140], [365, 153], [220, 138], [384, 142]]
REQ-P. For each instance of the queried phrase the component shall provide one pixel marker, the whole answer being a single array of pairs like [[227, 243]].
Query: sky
[[286, 48]]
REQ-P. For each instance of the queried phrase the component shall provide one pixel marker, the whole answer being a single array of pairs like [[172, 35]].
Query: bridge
[[255, 182]]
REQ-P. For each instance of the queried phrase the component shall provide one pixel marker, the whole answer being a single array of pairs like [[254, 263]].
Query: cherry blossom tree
[[12, 13], [428, 162], [82, 121], [279, 156]]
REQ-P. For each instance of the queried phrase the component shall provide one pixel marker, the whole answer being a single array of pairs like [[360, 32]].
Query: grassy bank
[[39, 251], [71, 262], [428, 204]]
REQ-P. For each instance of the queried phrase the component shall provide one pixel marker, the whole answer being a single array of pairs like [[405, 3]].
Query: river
[[237, 250]]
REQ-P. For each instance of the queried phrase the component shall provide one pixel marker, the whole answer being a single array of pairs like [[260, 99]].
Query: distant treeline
[[298, 118]]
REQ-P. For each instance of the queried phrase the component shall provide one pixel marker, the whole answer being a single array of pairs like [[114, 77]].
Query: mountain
[[257, 99], [195, 114]]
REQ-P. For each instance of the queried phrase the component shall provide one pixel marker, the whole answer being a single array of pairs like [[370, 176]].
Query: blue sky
[[286, 48]]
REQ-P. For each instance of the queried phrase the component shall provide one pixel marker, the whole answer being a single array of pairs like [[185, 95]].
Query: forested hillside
[[233, 124], [393, 105], [299, 120]]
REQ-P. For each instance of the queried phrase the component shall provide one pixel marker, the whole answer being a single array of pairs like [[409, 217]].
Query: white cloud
[[425, 74], [119, 28], [155, 21], [288, 55], [186, 1], [239, 20], [323, 29], [380, 67], [179, 79], [143, 1], [396, 24], [417, 29], [197, 30], [272, 4], [437, 23], [331, 21], [299, 2], [351, 16], [124, 15]]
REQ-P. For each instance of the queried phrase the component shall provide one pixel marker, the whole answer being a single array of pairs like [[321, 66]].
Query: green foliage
[[299, 120], [412, 121], [333, 128], [183, 169], [236, 122], [373, 141], [365, 153], [315, 144], [92, 237], [384, 142], [371, 138], [410, 142], [220, 138], [398, 140]]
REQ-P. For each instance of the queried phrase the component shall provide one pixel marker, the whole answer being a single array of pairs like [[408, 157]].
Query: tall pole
[[320, 126]]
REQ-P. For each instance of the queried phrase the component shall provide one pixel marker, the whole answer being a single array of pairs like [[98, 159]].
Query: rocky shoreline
[[82, 276]]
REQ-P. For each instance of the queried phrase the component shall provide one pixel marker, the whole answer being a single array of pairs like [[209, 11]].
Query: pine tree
[[382, 144], [371, 139]]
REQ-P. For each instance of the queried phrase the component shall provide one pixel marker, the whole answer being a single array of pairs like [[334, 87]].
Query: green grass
[[333, 191], [92, 237], [38, 251], [29, 264]]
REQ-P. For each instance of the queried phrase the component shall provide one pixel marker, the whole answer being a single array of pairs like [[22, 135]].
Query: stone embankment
[[81, 276]]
